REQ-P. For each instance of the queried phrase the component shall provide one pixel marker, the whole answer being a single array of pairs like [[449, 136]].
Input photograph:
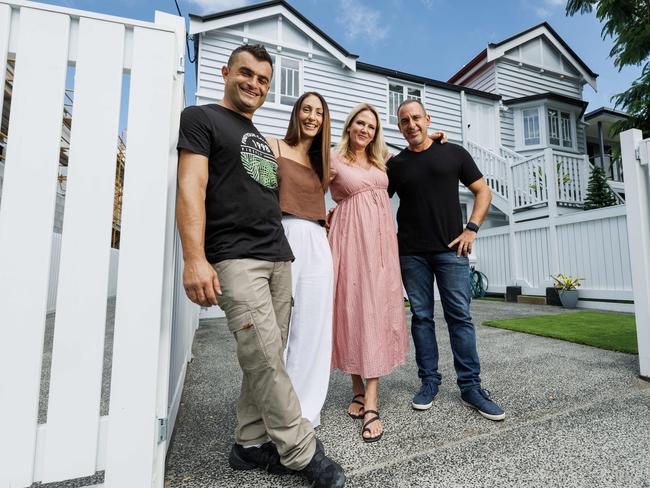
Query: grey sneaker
[[423, 399], [479, 399], [322, 472]]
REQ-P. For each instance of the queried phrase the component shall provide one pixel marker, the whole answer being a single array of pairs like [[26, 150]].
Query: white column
[[637, 202]]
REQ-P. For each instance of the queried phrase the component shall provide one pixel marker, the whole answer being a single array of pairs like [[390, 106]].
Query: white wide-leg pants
[[308, 354]]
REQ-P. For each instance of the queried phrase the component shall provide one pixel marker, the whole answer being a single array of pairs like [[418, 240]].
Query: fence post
[[551, 188], [515, 269], [636, 161]]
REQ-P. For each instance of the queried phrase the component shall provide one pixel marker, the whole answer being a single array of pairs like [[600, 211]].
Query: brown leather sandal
[[367, 429], [358, 402]]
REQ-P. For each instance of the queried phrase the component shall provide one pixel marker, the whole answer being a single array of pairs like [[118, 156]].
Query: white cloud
[[213, 6], [547, 7], [361, 22]]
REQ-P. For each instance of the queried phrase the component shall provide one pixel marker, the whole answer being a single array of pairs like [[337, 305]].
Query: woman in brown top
[[303, 173]]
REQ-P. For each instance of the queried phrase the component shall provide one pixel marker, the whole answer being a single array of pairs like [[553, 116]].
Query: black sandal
[[367, 429], [354, 400]]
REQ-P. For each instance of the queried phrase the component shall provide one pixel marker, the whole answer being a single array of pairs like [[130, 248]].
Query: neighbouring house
[[517, 107]]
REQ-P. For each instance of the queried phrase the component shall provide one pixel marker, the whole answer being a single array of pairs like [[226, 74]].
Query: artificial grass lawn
[[606, 330]]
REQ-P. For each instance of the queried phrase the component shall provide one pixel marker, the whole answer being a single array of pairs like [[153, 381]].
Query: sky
[[431, 38]]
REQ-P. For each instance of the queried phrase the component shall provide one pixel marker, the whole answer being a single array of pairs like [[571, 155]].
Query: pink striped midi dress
[[369, 323]]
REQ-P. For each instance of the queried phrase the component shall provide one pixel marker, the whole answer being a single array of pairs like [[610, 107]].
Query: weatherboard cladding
[[508, 129], [485, 80], [519, 81], [341, 87]]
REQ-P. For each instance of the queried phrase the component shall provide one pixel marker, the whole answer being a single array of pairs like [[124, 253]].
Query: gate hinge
[[162, 430]]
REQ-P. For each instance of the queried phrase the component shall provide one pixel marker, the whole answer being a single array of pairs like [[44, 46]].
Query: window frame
[[543, 108], [573, 127], [405, 88], [519, 127], [277, 81]]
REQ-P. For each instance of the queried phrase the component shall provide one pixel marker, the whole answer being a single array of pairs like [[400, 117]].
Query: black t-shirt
[[429, 215], [243, 217]]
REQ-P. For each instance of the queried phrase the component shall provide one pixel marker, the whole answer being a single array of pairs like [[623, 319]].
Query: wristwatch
[[472, 226]]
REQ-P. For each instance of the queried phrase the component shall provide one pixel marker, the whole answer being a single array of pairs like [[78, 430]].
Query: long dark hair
[[319, 152]]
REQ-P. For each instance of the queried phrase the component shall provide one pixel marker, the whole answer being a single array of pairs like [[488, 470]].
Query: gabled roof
[[497, 49], [199, 23], [218, 20]]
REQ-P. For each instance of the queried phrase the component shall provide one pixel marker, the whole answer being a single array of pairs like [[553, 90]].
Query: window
[[559, 128], [531, 126], [397, 93], [286, 81]]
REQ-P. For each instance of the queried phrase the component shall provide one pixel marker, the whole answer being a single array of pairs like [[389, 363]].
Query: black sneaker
[[265, 457], [322, 472]]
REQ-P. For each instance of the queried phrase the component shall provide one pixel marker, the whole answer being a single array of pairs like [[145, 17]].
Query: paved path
[[577, 416]]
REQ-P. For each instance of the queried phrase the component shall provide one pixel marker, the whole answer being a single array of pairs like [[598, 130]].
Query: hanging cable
[[187, 37]]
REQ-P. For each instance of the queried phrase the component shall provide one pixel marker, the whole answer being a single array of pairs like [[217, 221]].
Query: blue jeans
[[452, 273]]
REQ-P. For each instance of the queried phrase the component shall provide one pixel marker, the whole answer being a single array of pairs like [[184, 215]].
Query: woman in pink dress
[[369, 329]]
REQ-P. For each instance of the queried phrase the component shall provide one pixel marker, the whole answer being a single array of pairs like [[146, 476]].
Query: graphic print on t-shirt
[[258, 160]]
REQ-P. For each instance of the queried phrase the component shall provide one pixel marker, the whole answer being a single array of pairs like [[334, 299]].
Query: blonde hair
[[376, 150]]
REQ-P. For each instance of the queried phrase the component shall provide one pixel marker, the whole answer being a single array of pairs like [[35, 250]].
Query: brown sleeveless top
[[301, 193]]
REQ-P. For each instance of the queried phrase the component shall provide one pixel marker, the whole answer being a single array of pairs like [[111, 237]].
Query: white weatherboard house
[[517, 107]]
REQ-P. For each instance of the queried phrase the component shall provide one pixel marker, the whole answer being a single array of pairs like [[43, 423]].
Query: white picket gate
[[150, 305]]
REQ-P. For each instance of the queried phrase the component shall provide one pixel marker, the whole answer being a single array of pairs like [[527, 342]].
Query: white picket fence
[[150, 306], [55, 259], [591, 244]]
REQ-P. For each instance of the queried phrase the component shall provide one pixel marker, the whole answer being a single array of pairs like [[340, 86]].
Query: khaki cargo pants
[[256, 297]]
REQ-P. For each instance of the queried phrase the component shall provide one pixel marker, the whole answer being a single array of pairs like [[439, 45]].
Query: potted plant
[[567, 287]]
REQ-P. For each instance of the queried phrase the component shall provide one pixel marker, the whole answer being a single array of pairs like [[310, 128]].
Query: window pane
[[289, 90], [414, 94], [395, 97], [287, 100], [567, 139], [289, 80], [553, 127], [290, 63], [531, 127]]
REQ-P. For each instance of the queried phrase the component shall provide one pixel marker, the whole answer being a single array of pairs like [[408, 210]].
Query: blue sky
[[432, 38]]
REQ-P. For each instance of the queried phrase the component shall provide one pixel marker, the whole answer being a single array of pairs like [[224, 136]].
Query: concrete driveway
[[576, 416]]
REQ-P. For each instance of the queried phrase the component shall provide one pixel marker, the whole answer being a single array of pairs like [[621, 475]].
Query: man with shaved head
[[433, 245]]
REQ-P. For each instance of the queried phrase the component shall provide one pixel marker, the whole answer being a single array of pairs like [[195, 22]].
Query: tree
[[627, 22], [599, 194]]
